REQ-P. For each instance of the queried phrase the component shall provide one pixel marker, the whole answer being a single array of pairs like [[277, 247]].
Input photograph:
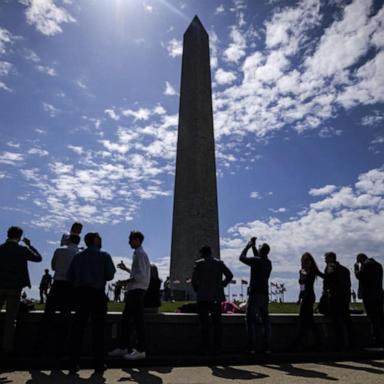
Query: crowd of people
[[81, 275]]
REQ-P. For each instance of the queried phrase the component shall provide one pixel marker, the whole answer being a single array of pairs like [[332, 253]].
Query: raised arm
[[243, 256], [31, 253]]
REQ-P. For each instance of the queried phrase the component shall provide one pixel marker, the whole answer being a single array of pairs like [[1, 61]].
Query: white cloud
[[77, 149], [371, 120], [112, 114], [169, 90], [46, 16], [38, 151], [31, 55], [220, 9], [5, 68], [47, 70], [5, 38], [255, 195], [139, 114], [5, 87], [281, 86], [278, 210], [322, 191], [81, 84], [11, 158], [224, 77], [174, 47], [12, 144], [348, 222], [50, 109], [236, 49]]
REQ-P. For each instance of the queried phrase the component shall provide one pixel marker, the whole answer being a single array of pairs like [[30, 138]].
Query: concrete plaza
[[348, 372]]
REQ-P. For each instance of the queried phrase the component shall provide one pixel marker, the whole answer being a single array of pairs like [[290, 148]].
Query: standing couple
[[89, 271]]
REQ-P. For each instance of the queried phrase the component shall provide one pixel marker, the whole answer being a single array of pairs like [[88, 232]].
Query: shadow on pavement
[[231, 373], [142, 375], [356, 368], [58, 377], [301, 372]]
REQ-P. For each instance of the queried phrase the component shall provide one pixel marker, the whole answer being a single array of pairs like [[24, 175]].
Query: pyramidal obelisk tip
[[196, 23]]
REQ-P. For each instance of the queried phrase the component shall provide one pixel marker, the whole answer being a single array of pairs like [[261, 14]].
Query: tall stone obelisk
[[195, 211]]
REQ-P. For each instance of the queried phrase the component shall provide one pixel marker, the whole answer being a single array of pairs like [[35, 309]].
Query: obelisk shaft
[[195, 212]]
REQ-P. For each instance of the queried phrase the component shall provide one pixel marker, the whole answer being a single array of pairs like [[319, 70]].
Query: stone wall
[[177, 334]]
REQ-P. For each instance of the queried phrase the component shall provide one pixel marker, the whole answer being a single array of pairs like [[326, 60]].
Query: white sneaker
[[118, 352], [135, 355]]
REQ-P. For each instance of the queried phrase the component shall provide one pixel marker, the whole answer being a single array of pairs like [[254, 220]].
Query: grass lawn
[[172, 307]]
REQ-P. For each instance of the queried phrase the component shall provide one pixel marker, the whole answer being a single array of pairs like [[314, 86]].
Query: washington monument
[[195, 212]]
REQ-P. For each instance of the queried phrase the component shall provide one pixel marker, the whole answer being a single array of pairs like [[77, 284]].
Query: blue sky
[[89, 103]]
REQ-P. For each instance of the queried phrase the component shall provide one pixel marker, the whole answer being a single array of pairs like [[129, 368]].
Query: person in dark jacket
[[207, 282], [337, 285], [258, 298], [89, 271], [370, 275], [14, 277], [307, 276]]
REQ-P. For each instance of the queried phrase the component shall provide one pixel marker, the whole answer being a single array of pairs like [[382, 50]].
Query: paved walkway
[[350, 372]]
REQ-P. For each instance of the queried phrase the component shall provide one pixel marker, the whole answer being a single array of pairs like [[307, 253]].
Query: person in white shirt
[[60, 297], [136, 286]]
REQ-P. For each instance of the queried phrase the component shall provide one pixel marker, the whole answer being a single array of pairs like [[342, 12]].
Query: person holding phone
[[258, 295], [14, 276]]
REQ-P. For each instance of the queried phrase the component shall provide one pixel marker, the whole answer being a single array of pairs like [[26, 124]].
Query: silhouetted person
[[167, 289], [258, 295], [89, 272], [117, 293], [136, 286], [353, 295], [152, 298], [370, 275], [45, 286], [337, 285], [75, 230], [60, 297], [208, 283], [307, 276], [14, 277]]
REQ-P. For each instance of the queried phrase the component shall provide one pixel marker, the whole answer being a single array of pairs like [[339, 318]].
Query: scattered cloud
[[220, 9], [347, 221], [224, 77], [139, 114], [278, 210], [5, 68], [50, 109], [11, 158], [81, 84], [6, 38], [301, 80], [174, 47], [46, 16], [38, 151], [237, 48], [255, 195], [322, 191], [47, 70], [112, 114], [372, 120], [169, 90]]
